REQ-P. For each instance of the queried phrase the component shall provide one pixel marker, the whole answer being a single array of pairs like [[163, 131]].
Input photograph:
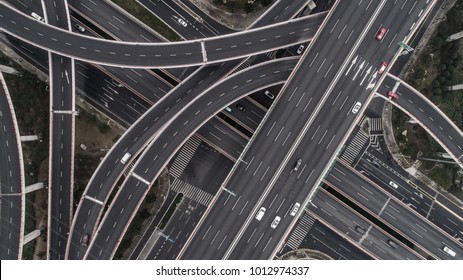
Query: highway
[[331, 126], [12, 192], [346, 221], [428, 115], [198, 82], [402, 219], [157, 55], [61, 146], [170, 139]]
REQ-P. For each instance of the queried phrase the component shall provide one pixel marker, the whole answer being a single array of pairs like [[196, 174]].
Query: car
[[85, 240], [393, 184], [228, 109], [382, 68], [376, 163], [295, 209], [37, 17], [125, 158], [380, 34], [298, 163], [269, 94], [392, 95], [260, 214], [240, 107], [360, 230], [80, 28], [392, 243], [356, 107], [182, 22], [300, 49], [275, 222]]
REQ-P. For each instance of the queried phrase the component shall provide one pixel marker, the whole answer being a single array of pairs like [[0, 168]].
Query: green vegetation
[[245, 5], [145, 16], [171, 211], [438, 66]]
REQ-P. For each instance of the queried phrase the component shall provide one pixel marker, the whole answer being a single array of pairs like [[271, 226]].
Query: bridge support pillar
[[34, 187]]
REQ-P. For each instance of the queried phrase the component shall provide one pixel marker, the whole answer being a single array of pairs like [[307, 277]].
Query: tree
[[248, 7]]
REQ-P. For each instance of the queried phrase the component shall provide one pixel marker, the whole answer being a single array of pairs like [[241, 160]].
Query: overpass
[[157, 55], [428, 115]]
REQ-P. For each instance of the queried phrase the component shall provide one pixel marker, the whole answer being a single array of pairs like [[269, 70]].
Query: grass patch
[[145, 16], [438, 66], [171, 211]]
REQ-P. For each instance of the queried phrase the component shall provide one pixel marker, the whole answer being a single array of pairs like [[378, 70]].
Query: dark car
[[240, 107]]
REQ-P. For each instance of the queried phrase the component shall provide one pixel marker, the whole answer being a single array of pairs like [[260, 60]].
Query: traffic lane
[[245, 113], [338, 215], [280, 11], [149, 165], [206, 21], [332, 25], [427, 115], [259, 41], [174, 16], [352, 185], [57, 14], [10, 179], [10, 231], [89, 210], [450, 205], [60, 185], [142, 55], [62, 83], [324, 135], [433, 119], [420, 231], [451, 224], [98, 51], [139, 135], [223, 138], [324, 239], [387, 179], [113, 20], [103, 244], [387, 247], [177, 230]]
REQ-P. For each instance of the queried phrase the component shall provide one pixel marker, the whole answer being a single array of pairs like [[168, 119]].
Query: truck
[[125, 158], [449, 251]]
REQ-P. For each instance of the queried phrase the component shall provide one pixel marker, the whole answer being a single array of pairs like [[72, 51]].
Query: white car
[[356, 107], [182, 22], [260, 214], [80, 28], [295, 209], [300, 49], [37, 17], [393, 184], [275, 222], [269, 94]]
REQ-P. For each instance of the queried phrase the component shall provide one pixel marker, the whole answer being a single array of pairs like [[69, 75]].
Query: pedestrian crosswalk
[[355, 147], [184, 157], [376, 126], [298, 235], [244, 65], [191, 192]]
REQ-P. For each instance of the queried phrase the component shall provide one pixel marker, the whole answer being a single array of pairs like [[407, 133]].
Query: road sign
[[405, 46]]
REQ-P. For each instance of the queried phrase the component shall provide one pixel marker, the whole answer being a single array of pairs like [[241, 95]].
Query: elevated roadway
[[431, 118], [157, 55], [352, 61], [61, 146], [158, 153], [12, 184]]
